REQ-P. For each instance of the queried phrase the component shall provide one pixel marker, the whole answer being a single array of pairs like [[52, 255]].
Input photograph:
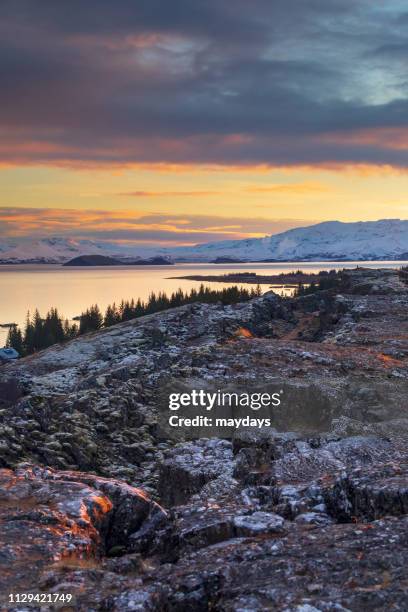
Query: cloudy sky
[[196, 120]]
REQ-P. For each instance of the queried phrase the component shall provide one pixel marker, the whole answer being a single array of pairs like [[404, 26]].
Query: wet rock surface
[[309, 514]]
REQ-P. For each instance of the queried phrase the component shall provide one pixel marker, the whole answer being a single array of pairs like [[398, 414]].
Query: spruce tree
[[15, 339], [111, 316]]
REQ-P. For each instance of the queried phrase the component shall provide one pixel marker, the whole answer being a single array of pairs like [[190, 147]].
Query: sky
[[189, 121]]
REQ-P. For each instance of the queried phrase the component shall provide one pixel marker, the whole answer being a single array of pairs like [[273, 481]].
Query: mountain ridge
[[327, 241]]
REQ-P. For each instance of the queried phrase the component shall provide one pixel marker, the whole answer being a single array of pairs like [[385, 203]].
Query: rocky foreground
[[97, 500]]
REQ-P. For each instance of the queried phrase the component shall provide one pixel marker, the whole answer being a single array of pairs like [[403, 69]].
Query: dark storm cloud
[[201, 81], [398, 50], [240, 19]]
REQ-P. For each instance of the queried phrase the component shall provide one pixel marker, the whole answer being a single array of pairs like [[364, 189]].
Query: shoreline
[[253, 278]]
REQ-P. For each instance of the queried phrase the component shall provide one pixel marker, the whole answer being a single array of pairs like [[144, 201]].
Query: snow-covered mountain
[[56, 250], [331, 240]]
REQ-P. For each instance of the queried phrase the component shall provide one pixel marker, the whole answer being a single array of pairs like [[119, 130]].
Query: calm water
[[71, 290]]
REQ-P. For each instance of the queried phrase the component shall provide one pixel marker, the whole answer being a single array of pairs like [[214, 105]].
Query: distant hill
[[227, 260], [153, 261], [103, 260], [93, 260]]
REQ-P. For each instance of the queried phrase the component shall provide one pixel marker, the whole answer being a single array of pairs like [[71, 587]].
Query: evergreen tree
[[28, 338], [111, 315], [126, 311], [139, 308], [70, 331], [38, 338], [90, 320], [53, 330], [151, 303], [15, 339]]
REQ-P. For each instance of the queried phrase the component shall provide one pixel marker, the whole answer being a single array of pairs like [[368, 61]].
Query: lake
[[72, 290]]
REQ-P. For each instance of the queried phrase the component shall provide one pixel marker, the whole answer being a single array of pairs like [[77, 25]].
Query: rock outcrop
[[308, 514], [51, 519]]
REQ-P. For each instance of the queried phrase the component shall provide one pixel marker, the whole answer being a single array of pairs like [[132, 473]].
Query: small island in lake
[[103, 260], [92, 260], [227, 260]]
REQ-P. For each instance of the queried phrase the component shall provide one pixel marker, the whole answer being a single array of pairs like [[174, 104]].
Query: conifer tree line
[[40, 333], [327, 280]]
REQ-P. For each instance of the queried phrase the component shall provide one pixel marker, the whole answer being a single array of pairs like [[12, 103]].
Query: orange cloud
[[296, 188], [393, 138], [133, 226], [167, 194]]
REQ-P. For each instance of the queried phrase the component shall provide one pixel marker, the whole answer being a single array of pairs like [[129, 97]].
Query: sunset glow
[[141, 126]]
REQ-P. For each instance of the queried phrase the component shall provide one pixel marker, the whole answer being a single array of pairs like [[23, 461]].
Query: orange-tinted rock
[[48, 518]]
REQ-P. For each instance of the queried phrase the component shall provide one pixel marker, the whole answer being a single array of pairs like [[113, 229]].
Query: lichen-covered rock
[[132, 508], [258, 523], [317, 458], [370, 494], [50, 518], [190, 466]]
